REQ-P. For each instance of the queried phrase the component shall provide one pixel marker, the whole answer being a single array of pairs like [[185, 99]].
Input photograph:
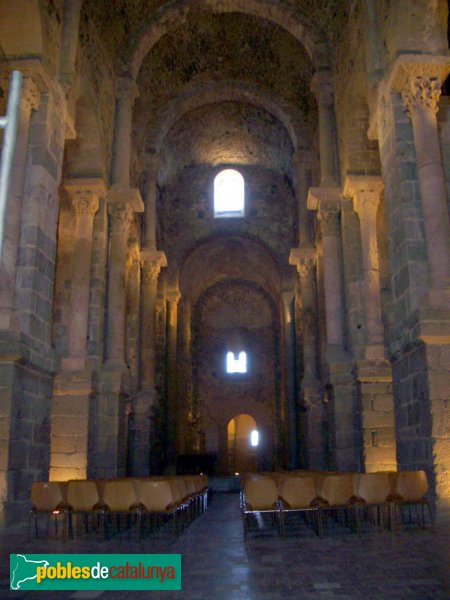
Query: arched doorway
[[243, 443]]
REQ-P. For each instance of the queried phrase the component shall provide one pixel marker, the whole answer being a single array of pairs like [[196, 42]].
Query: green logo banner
[[95, 571]]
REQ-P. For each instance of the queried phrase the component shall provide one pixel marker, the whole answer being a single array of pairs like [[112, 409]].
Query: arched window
[[229, 194], [237, 365]]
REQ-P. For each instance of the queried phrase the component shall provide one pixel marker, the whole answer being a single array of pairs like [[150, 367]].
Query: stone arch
[[198, 93], [174, 14], [194, 278]]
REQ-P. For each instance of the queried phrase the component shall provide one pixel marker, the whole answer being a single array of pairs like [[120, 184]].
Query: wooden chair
[[297, 494], [156, 502], [260, 495], [120, 504], [49, 498], [372, 491], [336, 496], [410, 489], [84, 501]]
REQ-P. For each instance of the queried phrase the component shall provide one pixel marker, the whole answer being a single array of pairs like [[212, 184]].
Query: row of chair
[[376, 496], [104, 503]]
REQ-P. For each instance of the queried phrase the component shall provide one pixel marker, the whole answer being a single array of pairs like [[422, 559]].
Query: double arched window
[[229, 194]]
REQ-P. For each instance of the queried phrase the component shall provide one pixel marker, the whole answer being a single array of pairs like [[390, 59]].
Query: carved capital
[[85, 194], [150, 270], [365, 190], [422, 94], [173, 297], [322, 88], [305, 268], [329, 216], [120, 217], [85, 202]]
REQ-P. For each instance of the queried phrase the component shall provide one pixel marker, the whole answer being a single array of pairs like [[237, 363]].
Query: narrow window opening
[[229, 194], [236, 365], [254, 438]]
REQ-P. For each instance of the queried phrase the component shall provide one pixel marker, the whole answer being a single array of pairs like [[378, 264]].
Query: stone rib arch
[[176, 13], [196, 94], [229, 256]]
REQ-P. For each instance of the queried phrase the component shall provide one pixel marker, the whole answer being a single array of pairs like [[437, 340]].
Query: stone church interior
[[225, 240]]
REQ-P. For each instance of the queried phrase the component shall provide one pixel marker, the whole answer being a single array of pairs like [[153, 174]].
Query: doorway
[[243, 444]]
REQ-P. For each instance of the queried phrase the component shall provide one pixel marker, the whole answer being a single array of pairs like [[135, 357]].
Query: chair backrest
[[373, 488], [155, 496], [190, 484], [411, 485], [119, 495], [46, 495], [82, 495], [297, 491], [260, 493], [337, 489]]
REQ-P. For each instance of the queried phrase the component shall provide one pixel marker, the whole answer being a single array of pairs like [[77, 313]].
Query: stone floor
[[217, 564]]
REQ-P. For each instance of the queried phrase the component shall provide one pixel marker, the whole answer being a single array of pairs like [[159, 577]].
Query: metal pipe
[[9, 123]]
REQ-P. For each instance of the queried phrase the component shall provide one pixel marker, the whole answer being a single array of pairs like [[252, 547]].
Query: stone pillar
[[29, 101], [84, 194], [322, 88], [173, 297], [126, 94], [152, 164], [327, 203], [365, 191], [289, 337], [187, 412], [421, 94], [151, 264], [374, 373], [133, 305], [305, 261], [302, 173], [120, 217], [69, 40]]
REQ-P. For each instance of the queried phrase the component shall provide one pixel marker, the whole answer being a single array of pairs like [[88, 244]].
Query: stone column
[[289, 337], [69, 40], [421, 93], [365, 191], [305, 261], [29, 101], [84, 194], [322, 88], [327, 203], [120, 217], [151, 266], [302, 172], [152, 164], [173, 297], [126, 94], [133, 305]]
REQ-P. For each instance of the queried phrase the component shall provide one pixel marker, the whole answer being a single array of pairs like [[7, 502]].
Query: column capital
[[322, 87], [120, 217], [126, 90], [422, 94], [304, 259], [327, 202], [173, 297], [85, 194], [365, 190], [151, 264], [408, 67]]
